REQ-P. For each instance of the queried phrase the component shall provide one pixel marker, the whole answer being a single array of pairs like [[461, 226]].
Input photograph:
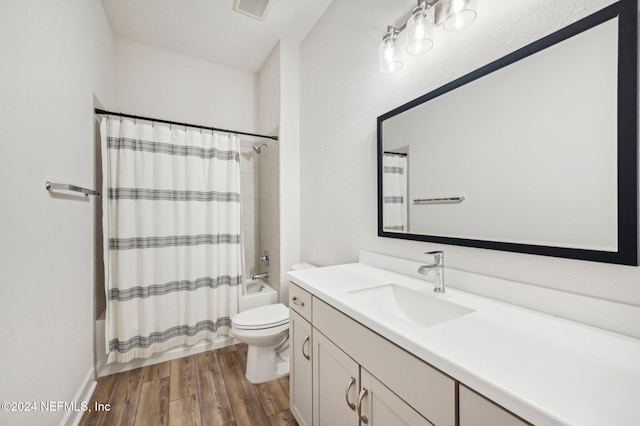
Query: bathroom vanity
[[372, 346]]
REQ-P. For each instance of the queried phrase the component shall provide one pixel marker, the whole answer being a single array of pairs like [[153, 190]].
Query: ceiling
[[211, 30]]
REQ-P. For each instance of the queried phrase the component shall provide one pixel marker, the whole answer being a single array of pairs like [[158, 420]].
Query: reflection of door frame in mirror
[[627, 144]]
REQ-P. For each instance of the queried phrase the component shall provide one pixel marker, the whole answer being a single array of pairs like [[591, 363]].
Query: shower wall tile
[[270, 235], [269, 187], [250, 250], [249, 187], [260, 198], [250, 211], [249, 161], [269, 206]]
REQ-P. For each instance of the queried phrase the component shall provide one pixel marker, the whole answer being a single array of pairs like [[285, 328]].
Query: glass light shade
[[389, 54], [458, 14], [419, 32]]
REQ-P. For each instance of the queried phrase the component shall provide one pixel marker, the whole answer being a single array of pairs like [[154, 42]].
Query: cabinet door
[[475, 410], [427, 390], [300, 383], [378, 406], [335, 384]]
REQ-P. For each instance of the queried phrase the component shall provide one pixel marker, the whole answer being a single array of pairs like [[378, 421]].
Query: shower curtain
[[172, 233], [394, 191]]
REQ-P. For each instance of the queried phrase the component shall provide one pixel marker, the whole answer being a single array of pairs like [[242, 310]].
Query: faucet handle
[[265, 259], [438, 256]]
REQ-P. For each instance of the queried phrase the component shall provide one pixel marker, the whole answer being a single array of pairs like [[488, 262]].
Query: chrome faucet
[[262, 276], [437, 267]]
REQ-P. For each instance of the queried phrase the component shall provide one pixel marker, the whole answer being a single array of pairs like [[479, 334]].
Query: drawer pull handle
[[297, 301], [363, 418], [346, 393], [304, 343]]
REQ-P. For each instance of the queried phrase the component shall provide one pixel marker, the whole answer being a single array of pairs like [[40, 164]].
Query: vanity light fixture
[[389, 52], [451, 14]]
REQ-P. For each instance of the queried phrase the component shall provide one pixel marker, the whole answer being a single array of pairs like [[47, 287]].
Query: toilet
[[266, 332], [265, 329]]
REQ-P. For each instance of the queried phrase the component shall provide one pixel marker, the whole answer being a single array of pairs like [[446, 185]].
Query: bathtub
[[258, 293]]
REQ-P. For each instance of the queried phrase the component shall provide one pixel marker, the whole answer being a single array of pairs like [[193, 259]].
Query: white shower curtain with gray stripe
[[394, 191], [172, 225]]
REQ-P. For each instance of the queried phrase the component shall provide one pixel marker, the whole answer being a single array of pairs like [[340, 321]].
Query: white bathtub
[[258, 293]]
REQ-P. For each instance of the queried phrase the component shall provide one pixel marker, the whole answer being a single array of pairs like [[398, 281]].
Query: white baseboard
[[88, 385]]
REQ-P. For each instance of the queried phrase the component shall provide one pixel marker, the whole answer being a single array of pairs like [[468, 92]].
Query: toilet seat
[[260, 318]]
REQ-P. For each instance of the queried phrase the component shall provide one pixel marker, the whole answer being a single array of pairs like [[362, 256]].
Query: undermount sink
[[408, 304]]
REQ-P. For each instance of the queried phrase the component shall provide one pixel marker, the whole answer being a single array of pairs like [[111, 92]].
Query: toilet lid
[[262, 317]]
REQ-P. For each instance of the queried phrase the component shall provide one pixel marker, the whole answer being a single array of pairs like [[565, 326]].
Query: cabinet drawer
[[430, 392], [300, 301]]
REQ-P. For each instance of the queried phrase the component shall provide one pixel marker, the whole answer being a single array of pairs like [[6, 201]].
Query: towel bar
[[68, 187], [440, 200]]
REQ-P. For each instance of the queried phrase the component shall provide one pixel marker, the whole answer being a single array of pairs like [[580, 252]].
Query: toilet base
[[265, 363]]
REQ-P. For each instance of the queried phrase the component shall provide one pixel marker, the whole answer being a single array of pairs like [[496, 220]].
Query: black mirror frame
[[627, 254]]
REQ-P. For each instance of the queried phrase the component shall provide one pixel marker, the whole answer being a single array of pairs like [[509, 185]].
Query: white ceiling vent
[[255, 8]]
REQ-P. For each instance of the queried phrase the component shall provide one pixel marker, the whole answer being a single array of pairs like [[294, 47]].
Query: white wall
[[342, 94], [55, 56], [269, 93], [289, 160], [269, 178], [160, 84], [279, 110]]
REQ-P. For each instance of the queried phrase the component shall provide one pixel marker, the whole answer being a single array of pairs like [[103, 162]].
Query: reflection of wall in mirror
[[532, 147]]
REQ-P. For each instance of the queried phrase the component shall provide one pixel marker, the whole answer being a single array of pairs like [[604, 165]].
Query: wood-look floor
[[206, 389]]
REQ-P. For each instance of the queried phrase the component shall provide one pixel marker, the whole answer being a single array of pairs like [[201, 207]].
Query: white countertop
[[547, 370]]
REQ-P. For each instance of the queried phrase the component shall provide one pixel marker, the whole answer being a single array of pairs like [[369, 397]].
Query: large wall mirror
[[533, 153]]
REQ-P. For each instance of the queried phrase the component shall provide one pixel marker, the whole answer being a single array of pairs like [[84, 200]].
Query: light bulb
[[388, 53], [458, 14], [419, 31]]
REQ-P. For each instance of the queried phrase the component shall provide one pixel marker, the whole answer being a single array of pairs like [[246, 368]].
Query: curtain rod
[[119, 114]]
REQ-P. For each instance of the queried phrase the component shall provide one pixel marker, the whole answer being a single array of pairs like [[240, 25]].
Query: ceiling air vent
[[255, 8]]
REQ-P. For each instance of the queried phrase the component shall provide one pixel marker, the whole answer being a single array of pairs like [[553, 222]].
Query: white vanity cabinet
[[358, 375], [466, 360], [420, 387], [344, 393]]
